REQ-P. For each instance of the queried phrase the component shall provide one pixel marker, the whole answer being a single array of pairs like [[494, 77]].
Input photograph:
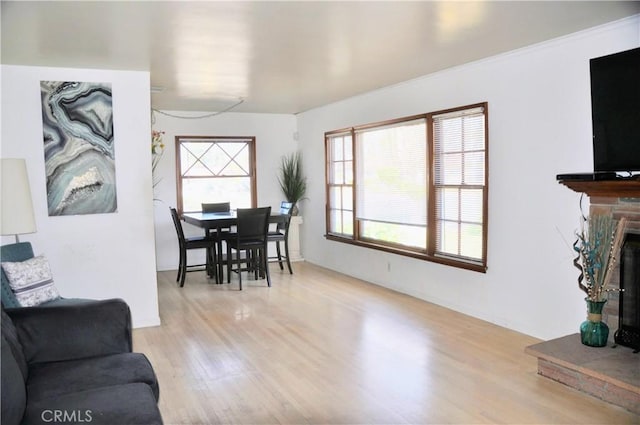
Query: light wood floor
[[322, 348]]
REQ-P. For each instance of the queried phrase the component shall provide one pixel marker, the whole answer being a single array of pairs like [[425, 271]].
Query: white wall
[[100, 255], [274, 135], [539, 126]]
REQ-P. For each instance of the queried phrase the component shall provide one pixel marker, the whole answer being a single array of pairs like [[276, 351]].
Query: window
[[215, 169], [459, 146], [415, 186], [340, 185]]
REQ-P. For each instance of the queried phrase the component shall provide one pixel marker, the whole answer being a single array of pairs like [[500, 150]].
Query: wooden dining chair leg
[[181, 261], [286, 253], [220, 264], [229, 264], [179, 267], [239, 264], [255, 262], [207, 262], [183, 267], [279, 254], [265, 264], [249, 256], [212, 263]]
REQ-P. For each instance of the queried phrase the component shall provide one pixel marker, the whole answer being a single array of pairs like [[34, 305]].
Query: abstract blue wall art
[[77, 120]]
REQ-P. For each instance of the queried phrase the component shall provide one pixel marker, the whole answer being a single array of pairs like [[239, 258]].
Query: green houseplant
[[292, 180]]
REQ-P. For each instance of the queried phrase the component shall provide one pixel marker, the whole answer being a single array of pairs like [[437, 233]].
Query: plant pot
[[593, 331]]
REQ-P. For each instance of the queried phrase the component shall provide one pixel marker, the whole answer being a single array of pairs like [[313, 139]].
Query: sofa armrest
[[75, 331]]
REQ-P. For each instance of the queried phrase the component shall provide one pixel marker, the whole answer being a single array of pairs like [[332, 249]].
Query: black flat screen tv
[[615, 112]]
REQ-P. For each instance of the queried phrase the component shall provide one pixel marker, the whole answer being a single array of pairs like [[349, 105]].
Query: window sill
[[447, 261]]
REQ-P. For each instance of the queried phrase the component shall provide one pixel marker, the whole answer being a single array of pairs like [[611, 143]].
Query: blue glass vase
[[593, 331]]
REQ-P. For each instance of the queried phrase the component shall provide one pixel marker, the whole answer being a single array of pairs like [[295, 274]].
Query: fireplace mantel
[[605, 188]]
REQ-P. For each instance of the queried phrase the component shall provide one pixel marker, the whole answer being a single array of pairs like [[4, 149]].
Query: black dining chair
[[185, 244], [251, 236], [216, 207], [281, 234], [221, 235]]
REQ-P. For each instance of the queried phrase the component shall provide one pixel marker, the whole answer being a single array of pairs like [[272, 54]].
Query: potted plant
[[598, 246], [292, 180]]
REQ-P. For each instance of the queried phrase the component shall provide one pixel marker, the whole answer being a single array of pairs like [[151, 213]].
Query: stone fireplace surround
[[622, 200], [611, 374]]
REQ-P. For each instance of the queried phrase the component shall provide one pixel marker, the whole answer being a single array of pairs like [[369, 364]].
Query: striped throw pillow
[[31, 281]]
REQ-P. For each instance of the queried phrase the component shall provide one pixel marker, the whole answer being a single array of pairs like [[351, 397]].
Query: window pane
[[335, 197], [471, 200], [474, 132], [348, 172], [474, 168], [450, 132], [347, 222], [447, 238], [471, 240], [448, 203], [237, 190], [337, 173], [215, 159], [392, 170], [450, 170], [335, 221], [348, 148], [399, 234], [347, 198], [190, 164], [338, 149]]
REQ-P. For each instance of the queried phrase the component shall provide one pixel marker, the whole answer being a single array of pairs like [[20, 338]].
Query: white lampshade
[[17, 209]]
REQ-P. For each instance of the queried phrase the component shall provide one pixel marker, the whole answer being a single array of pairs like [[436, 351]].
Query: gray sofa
[[70, 361], [73, 364]]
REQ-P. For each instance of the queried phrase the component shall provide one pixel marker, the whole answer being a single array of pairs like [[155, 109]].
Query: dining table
[[214, 223]]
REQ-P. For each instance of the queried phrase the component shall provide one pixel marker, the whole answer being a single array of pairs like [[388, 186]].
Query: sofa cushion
[[50, 380], [70, 332], [120, 404], [31, 281], [12, 341], [14, 396], [13, 252]]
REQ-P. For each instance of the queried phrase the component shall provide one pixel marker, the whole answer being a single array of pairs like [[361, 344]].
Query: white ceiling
[[281, 57]]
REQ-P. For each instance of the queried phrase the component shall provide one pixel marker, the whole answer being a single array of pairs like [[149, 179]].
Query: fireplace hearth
[[610, 374]]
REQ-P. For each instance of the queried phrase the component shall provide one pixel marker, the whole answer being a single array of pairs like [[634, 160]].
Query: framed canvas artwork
[[77, 120]]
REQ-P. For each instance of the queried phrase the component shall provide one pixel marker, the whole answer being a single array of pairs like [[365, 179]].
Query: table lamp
[[17, 216]]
